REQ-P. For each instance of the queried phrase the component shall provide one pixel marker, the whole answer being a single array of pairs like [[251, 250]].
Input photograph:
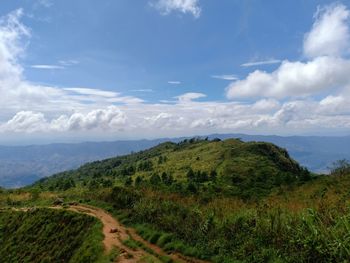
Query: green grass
[[134, 244], [131, 243], [47, 235]]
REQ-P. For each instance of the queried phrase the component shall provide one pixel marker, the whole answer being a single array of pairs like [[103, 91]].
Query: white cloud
[[188, 97], [109, 118], [329, 35], [62, 64], [143, 90], [165, 7], [94, 92], [225, 77], [102, 119], [43, 66], [266, 105], [260, 63], [44, 3], [294, 79], [327, 71], [25, 121], [69, 62], [174, 82]]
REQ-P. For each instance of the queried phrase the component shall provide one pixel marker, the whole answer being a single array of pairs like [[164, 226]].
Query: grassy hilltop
[[230, 167]]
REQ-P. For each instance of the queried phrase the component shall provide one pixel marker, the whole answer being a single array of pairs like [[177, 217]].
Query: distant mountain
[[22, 165]]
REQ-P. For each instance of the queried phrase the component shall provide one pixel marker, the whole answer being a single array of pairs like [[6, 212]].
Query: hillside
[[232, 167], [48, 235], [22, 165], [219, 201]]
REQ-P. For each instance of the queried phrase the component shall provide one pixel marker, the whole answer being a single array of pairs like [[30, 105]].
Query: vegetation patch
[[48, 235]]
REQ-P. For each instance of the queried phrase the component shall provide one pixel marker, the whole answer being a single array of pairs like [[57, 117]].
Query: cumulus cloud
[[325, 72], [109, 118], [25, 121], [329, 35], [294, 79], [166, 7]]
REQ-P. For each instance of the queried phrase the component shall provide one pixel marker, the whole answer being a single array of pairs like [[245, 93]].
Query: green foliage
[[229, 230], [48, 235]]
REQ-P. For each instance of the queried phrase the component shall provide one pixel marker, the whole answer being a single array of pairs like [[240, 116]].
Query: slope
[[232, 167]]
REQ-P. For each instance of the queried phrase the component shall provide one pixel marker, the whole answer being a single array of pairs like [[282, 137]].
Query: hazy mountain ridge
[[21, 165]]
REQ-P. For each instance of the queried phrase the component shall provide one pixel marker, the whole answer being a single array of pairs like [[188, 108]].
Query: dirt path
[[122, 233], [112, 240]]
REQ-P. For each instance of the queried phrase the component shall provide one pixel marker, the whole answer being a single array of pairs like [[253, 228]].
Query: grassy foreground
[[48, 235]]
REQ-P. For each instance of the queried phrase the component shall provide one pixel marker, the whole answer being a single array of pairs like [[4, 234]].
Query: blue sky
[[154, 68]]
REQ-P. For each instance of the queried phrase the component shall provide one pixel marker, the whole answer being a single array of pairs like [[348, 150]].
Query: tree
[[190, 175], [138, 181], [167, 179], [202, 177], [213, 175], [35, 194], [93, 184], [128, 181], [107, 183], [191, 187], [145, 166], [155, 179]]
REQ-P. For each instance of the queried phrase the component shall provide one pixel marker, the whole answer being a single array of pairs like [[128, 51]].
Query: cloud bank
[[299, 96]]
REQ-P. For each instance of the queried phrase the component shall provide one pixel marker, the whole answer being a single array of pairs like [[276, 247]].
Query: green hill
[[222, 201], [230, 167]]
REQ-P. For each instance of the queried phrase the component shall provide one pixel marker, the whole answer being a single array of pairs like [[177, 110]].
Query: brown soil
[[115, 239]]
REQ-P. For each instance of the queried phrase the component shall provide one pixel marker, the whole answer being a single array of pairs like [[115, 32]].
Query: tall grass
[[315, 228]]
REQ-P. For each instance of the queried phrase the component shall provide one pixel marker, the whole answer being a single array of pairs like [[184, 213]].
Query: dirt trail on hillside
[[112, 240], [123, 233]]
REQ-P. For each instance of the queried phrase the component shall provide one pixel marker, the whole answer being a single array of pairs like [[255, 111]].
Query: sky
[[107, 70]]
